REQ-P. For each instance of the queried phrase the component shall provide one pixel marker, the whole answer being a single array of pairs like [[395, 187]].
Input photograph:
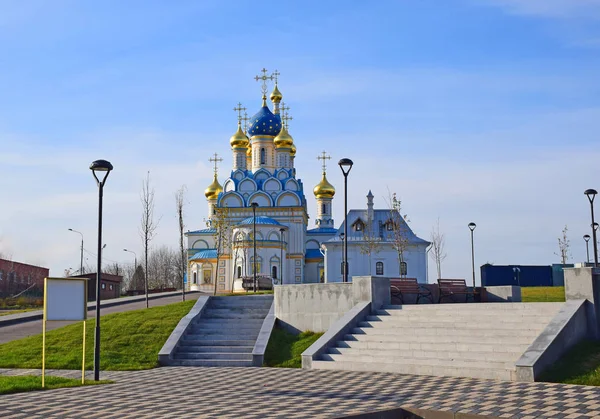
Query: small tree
[[564, 245], [438, 244], [399, 230], [221, 223], [371, 242], [179, 202], [148, 225]]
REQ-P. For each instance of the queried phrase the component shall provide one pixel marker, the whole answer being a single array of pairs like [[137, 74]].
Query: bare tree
[[221, 223], [564, 246], [438, 243], [148, 225], [179, 202], [399, 230], [371, 242]]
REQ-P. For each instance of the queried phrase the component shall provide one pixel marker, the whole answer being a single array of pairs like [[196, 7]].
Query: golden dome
[[249, 151], [276, 95], [239, 139], [213, 190], [324, 189], [283, 139], [293, 150]]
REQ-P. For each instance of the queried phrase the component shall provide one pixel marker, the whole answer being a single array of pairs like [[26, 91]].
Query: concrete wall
[[317, 307], [583, 283]]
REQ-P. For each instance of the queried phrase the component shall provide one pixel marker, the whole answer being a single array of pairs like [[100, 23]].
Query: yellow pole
[[44, 335], [83, 360]]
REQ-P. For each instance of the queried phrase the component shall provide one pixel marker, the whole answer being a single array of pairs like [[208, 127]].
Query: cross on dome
[[285, 115], [245, 119], [264, 79], [324, 157], [216, 160], [239, 110]]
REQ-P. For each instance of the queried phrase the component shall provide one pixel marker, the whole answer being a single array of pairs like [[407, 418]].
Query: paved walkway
[[188, 392], [34, 327]]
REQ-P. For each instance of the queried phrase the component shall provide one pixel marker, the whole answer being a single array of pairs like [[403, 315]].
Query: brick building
[[16, 277], [110, 285]]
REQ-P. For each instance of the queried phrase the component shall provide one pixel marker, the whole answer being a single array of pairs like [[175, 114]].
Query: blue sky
[[470, 110]]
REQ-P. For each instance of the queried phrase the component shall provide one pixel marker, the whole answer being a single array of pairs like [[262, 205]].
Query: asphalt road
[[22, 330]]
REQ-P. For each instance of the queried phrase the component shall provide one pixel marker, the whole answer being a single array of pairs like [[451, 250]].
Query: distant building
[[110, 285], [16, 277]]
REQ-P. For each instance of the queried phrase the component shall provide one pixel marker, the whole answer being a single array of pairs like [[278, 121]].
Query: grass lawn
[[25, 383], [581, 365], [129, 341], [543, 294], [284, 348]]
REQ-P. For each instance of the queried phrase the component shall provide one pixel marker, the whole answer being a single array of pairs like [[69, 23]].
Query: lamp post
[[342, 236], [591, 195], [98, 167], [346, 165], [81, 257], [254, 205], [472, 227], [586, 238], [135, 258], [281, 230]]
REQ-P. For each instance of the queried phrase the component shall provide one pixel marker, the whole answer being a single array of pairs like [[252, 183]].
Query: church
[[258, 217]]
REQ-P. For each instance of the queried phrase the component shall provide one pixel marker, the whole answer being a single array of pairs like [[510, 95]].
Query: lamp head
[[586, 237], [472, 226], [591, 194], [254, 204], [346, 165], [342, 235], [101, 166], [595, 226]]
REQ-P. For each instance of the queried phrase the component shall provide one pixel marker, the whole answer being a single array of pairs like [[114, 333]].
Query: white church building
[[263, 174]]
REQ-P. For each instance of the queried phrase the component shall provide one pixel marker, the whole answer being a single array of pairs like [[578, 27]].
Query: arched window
[[274, 272], [379, 268], [195, 280], [403, 268], [239, 271], [263, 156], [324, 208]]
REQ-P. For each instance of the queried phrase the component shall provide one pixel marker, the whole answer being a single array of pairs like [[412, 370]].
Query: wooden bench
[[263, 283], [402, 286], [452, 287]]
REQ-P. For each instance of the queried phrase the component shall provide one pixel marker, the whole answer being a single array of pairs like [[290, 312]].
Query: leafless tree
[[179, 203], [371, 242], [148, 224], [163, 268], [399, 229], [221, 223], [438, 244], [564, 246]]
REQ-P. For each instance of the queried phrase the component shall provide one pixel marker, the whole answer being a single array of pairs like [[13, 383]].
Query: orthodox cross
[[324, 156], [245, 119], [275, 75], [264, 79], [239, 110], [285, 115], [216, 160]]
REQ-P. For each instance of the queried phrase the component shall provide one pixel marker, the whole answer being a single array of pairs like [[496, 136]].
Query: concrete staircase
[[225, 334], [466, 340]]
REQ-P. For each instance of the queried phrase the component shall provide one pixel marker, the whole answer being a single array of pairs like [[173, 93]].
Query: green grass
[[543, 294], [581, 365], [284, 348], [129, 341], [25, 383]]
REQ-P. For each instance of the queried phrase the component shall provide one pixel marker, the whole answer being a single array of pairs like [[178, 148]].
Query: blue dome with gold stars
[[264, 123]]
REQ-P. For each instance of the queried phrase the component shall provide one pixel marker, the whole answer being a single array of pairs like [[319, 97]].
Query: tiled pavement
[[193, 392]]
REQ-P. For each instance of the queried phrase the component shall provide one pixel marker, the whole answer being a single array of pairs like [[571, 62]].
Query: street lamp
[[472, 227], [342, 236], [98, 167], [346, 165], [586, 237], [281, 230], [135, 258], [591, 195], [81, 263], [254, 205]]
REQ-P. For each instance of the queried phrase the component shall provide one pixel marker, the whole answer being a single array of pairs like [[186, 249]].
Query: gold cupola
[[239, 139], [293, 150], [213, 190], [324, 189], [276, 95], [283, 139]]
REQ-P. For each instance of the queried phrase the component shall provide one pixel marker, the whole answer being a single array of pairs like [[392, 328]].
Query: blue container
[[520, 275]]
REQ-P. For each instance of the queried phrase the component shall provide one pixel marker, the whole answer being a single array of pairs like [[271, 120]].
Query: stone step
[[235, 325], [220, 310], [406, 330], [220, 306], [215, 349], [383, 334], [234, 315], [461, 363], [213, 336], [190, 341], [462, 318], [510, 307], [211, 362], [215, 355], [472, 324], [504, 374], [384, 354], [397, 342]]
